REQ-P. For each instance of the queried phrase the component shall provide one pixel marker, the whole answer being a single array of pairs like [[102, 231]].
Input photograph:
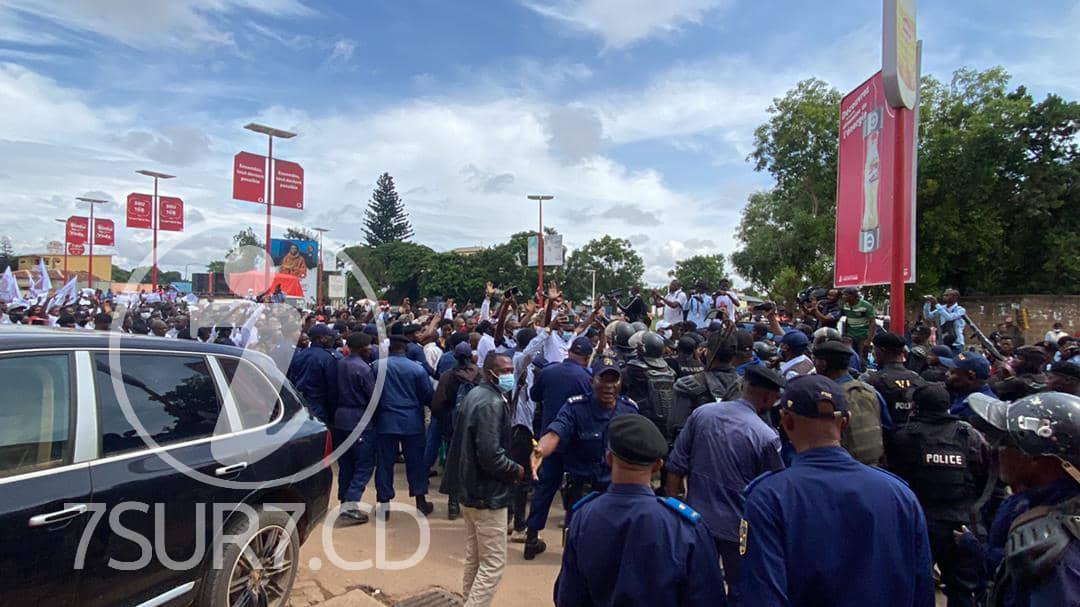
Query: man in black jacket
[[480, 476]]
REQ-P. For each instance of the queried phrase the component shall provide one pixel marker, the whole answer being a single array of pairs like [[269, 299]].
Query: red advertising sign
[[249, 177], [170, 214], [288, 184], [75, 249], [865, 209], [104, 232], [76, 230], [139, 211]]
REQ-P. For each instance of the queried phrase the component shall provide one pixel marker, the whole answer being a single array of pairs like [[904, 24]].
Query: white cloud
[[142, 24], [622, 23], [38, 109], [341, 53]]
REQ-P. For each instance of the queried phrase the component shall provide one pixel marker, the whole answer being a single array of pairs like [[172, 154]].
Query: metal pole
[[593, 287], [269, 189], [900, 186], [318, 274], [90, 263], [154, 224], [540, 251]]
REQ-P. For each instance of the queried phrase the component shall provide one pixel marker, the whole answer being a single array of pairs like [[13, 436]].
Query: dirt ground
[[524, 582]]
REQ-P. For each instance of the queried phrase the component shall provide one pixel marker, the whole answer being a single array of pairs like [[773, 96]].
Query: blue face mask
[[507, 382], [568, 335]]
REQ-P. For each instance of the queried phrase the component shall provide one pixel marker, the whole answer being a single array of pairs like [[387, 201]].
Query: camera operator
[[820, 312], [635, 310]]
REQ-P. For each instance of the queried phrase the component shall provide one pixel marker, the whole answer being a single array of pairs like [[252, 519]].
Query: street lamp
[[64, 221], [154, 216], [540, 198], [90, 237], [319, 268], [270, 133]]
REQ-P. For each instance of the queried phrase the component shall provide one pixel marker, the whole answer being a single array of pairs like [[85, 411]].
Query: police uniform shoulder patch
[[680, 508], [757, 479], [580, 398], [630, 401], [744, 532], [585, 500]]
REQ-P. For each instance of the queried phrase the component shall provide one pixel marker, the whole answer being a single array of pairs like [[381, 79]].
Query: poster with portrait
[[298, 258]]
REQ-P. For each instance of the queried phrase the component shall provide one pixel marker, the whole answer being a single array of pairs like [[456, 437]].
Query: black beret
[[636, 440], [889, 341], [763, 377], [832, 348], [930, 397]]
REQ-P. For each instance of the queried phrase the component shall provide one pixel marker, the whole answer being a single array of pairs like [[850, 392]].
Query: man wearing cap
[[554, 386], [414, 350], [868, 417], [829, 530], [892, 378], [936, 371], [313, 371], [793, 349], [1064, 377], [946, 463], [400, 424], [579, 435], [630, 548], [968, 374], [723, 447], [356, 383], [1040, 451], [1027, 377]]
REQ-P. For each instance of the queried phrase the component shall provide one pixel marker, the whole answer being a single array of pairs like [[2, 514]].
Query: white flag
[[9, 289], [44, 284], [67, 294]]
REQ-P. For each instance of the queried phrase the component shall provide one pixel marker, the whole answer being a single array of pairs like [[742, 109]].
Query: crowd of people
[[705, 451]]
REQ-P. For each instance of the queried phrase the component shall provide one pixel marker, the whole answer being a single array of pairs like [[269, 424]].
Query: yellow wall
[[75, 263]]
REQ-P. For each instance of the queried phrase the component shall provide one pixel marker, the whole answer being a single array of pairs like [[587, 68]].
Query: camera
[[765, 306]]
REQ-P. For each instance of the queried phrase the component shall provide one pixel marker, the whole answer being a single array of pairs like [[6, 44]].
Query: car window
[[35, 413], [256, 398], [172, 397]]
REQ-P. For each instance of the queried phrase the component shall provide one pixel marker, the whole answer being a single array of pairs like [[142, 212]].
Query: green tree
[[300, 234], [385, 219], [708, 269], [393, 268], [617, 265], [7, 254], [120, 274]]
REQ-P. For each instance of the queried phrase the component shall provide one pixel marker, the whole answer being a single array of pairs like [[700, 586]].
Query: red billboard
[[76, 232], [170, 214], [249, 177], [288, 184], [104, 232], [865, 209], [75, 249], [139, 211]]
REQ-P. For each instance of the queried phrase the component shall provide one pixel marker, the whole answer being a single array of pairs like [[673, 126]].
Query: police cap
[[763, 377], [803, 394], [636, 440], [832, 349], [889, 342], [929, 397]]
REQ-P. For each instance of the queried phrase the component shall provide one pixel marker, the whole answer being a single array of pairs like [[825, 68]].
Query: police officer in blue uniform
[[1039, 439], [829, 530], [579, 433], [553, 386], [628, 547], [313, 371]]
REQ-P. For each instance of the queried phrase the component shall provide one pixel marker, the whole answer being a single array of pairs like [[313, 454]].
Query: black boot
[[533, 545], [425, 507], [453, 510]]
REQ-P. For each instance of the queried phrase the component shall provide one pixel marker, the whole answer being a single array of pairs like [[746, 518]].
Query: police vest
[[699, 389], [862, 436], [1037, 542], [942, 476], [655, 395], [891, 382]]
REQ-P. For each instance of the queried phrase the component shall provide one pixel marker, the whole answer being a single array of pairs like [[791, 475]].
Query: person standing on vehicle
[[948, 318], [480, 475], [627, 547], [860, 322], [829, 530], [723, 447], [674, 304], [400, 423], [891, 378], [946, 463], [313, 371], [698, 305], [634, 310], [356, 382]]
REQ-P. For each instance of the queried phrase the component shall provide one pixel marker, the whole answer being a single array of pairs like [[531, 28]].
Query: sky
[[637, 115]]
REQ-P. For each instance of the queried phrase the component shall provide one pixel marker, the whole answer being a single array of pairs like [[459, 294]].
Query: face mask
[[568, 335], [506, 382]]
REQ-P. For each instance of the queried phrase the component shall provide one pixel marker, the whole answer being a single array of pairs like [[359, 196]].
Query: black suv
[[143, 471]]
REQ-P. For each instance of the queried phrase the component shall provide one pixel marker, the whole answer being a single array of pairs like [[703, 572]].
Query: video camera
[[811, 294]]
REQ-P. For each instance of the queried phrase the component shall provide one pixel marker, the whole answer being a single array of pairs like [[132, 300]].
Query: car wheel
[[258, 568]]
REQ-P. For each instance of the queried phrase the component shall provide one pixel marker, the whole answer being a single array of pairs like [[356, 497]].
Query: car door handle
[[227, 470], [55, 517]]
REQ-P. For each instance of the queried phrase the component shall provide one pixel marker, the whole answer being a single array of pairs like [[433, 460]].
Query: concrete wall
[[1036, 314]]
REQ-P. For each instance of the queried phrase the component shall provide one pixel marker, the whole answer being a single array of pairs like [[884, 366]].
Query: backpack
[[862, 436], [698, 389], [661, 384]]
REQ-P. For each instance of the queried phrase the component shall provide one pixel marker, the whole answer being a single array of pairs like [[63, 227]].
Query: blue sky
[[637, 115]]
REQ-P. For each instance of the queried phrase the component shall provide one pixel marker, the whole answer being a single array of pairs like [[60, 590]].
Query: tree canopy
[[617, 266], [708, 269], [385, 219]]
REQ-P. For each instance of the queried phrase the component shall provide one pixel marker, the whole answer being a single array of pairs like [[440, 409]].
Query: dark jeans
[[729, 556], [521, 452], [413, 447], [544, 490], [959, 570], [356, 465], [433, 442]]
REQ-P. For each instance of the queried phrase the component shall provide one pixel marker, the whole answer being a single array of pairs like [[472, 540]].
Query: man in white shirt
[[674, 305], [698, 305], [727, 301]]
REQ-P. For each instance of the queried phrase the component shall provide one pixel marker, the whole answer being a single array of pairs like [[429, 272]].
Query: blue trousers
[[356, 465], [413, 447], [550, 477], [433, 442]]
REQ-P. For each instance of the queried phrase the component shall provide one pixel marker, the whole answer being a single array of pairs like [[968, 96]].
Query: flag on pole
[[67, 294], [41, 287], [9, 289]]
